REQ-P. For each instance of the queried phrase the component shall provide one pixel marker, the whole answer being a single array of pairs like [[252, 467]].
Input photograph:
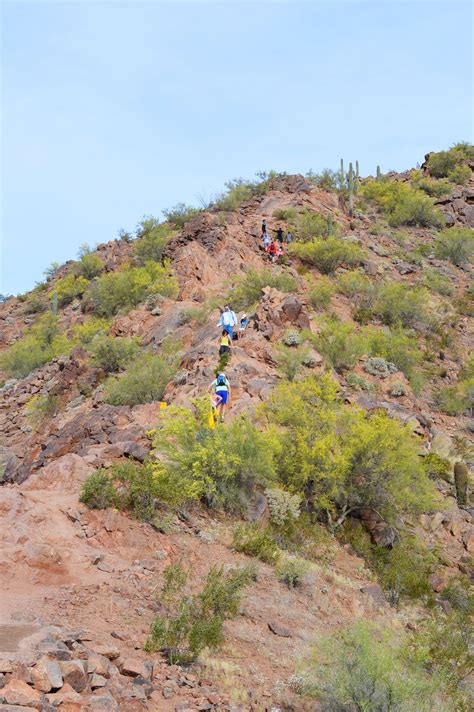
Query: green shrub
[[361, 291], [399, 304], [405, 569], [69, 288], [287, 214], [309, 224], [40, 408], [398, 346], [321, 292], [402, 204], [123, 290], [223, 465], [436, 188], [326, 180], [365, 667], [249, 287], [437, 282], [84, 333], [144, 381], [460, 175], [339, 458], [328, 254], [291, 360], [111, 354], [89, 266], [39, 345], [255, 540], [444, 163], [454, 400], [437, 467], [98, 491], [455, 244], [284, 507], [292, 571], [189, 624], [238, 191], [152, 237], [180, 214], [35, 301], [339, 343]]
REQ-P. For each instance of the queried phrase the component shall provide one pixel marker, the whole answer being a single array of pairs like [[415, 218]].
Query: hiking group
[[273, 247], [219, 389]]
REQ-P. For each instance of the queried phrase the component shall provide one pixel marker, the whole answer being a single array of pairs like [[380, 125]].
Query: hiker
[[279, 253], [228, 320], [266, 240], [279, 235], [224, 343], [289, 237], [221, 388], [243, 324], [264, 227], [271, 250], [213, 415]]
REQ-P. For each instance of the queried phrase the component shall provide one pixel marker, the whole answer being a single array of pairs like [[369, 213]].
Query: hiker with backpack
[[271, 251], [244, 321], [279, 235], [228, 320], [221, 388]]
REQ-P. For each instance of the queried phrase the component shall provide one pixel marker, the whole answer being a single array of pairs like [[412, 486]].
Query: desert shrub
[[41, 407], [437, 282], [358, 382], [365, 667], [238, 191], [222, 466], [51, 270], [291, 360], [124, 289], [399, 304], [339, 343], [144, 381], [125, 485], [188, 624], [89, 266], [437, 467], [287, 214], [309, 224], [69, 288], [292, 571], [284, 507], [327, 254], [431, 186], [84, 333], [152, 237], [398, 346], [111, 354], [98, 491], [340, 458], [467, 370], [361, 291], [443, 163], [460, 174], [402, 204], [180, 214], [326, 180], [249, 287], [454, 400], [255, 540], [405, 569], [39, 345], [455, 244], [320, 293]]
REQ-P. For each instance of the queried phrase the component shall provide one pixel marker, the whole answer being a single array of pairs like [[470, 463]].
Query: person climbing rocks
[[214, 415], [244, 321], [271, 250], [228, 320], [289, 237], [264, 227], [266, 240], [279, 235], [221, 388], [224, 343]]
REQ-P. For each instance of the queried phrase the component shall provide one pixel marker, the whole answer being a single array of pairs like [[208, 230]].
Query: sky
[[115, 110]]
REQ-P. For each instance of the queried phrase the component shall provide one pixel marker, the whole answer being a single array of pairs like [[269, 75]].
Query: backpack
[[221, 380]]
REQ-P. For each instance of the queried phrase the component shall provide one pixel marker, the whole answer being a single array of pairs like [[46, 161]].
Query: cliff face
[[98, 569]]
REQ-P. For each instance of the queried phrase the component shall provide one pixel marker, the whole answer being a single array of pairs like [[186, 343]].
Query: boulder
[[133, 667], [74, 673], [46, 675], [17, 692], [280, 630], [376, 594]]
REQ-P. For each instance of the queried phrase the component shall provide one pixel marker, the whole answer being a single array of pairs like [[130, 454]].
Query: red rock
[[133, 667], [17, 692], [74, 673], [46, 675]]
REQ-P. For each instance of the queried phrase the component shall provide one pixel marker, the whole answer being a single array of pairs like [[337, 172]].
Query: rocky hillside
[[375, 290]]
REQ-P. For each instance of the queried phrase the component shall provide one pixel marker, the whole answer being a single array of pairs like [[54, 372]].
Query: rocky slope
[[78, 586]]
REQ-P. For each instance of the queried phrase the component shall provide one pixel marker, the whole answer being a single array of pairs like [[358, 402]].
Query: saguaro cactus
[[329, 225], [341, 176], [350, 180], [378, 173], [461, 480], [54, 303], [356, 181]]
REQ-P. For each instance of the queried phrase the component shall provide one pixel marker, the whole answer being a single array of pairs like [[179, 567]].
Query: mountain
[[355, 369]]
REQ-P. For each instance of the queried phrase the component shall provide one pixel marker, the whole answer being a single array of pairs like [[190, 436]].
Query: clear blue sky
[[113, 110]]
